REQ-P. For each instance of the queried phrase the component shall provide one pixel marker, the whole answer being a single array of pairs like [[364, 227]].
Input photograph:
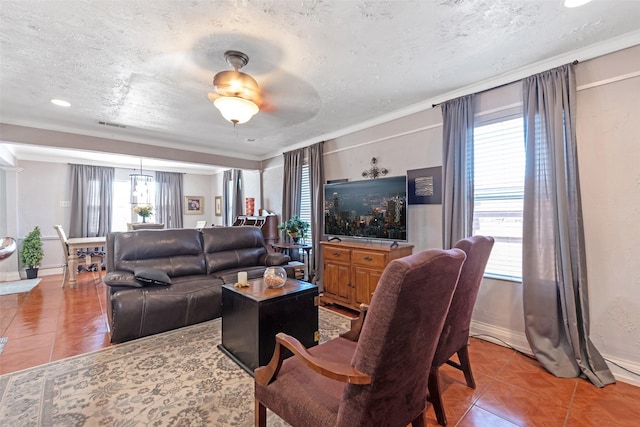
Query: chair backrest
[[455, 332], [398, 339], [63, 239], [201, 224], [145, 226]]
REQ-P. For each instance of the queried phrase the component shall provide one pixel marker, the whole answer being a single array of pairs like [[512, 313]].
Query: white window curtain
[[91, 200], [169, 199]]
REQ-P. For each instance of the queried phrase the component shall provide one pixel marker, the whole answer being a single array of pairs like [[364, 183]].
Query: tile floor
[[50, 323]]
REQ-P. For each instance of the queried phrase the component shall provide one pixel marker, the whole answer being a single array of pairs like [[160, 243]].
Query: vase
[[275, 277], [144, 219], [32, 273]]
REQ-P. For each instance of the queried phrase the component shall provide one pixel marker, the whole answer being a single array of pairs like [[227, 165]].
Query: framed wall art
[[218, 206], [193, 205], [424, 186]]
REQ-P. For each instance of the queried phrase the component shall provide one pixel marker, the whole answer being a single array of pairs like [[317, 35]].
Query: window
[[499, 167], [122, 210], [305, 202]]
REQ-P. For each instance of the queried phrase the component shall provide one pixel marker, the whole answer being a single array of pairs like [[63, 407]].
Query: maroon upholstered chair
[[455, 333], [380, 379]]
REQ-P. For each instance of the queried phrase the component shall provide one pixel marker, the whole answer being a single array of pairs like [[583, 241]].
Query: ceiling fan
[[237, 94]]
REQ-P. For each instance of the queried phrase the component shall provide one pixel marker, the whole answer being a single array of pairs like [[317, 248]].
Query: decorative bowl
[[275, 277]]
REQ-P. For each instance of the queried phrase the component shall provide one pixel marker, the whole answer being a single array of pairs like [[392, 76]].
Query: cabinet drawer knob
[[368, 259], [336, 254]]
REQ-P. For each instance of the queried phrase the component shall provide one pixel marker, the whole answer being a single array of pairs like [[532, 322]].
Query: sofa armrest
[[121, 278], [273, 259]]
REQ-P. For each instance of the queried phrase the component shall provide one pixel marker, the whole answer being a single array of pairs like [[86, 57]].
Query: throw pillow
[[118, 278], [151, 276]]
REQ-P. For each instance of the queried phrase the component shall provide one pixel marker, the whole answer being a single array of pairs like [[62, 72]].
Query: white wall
[[609, 156], [609, 159]]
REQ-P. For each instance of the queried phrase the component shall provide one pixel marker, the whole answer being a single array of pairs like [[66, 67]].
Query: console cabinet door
[[365, 281], [337, 285]]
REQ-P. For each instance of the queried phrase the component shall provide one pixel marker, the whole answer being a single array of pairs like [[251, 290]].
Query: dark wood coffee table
[[252, 316]]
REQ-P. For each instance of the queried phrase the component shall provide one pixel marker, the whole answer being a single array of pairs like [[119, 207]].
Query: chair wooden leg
[[260, 415], [465, 365], [435, 398], [419, 421], [65, 269]]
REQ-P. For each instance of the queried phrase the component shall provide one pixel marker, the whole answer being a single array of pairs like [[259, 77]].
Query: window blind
[[499, 167]]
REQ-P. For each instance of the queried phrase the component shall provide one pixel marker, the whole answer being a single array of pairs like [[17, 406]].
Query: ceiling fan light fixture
[[236, 92], [235, 109]]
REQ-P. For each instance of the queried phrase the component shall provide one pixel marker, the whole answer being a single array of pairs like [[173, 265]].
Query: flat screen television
[[371, 209]]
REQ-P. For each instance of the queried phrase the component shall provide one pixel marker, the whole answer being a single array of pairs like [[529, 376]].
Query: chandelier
[[140, 187], [236, 91]]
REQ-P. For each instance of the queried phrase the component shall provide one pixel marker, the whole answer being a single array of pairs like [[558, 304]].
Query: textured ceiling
[[324, 66]]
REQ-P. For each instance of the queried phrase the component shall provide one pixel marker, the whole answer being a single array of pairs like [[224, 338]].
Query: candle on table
[[242, 277]]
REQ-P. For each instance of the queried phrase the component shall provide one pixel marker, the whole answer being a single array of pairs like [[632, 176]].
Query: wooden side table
[[293, 251], [252, 316]]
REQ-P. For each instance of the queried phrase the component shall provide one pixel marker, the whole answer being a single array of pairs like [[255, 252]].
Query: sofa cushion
[[178, 252], [151, 276], [232, 247], [135, 313]]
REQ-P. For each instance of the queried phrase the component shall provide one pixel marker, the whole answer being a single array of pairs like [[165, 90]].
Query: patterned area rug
[[178, 378], [18, 286]]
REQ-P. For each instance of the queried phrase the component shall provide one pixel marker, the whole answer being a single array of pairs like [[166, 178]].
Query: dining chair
[[455, 333], [88, 256], [380, 379]]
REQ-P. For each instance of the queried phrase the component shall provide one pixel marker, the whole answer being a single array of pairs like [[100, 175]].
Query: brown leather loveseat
[[160, 280]]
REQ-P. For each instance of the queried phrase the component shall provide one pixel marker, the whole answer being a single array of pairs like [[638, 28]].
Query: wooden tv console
[[352, 270]]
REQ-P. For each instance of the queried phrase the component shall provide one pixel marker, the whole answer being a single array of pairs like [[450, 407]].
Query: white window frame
[[499, 192]]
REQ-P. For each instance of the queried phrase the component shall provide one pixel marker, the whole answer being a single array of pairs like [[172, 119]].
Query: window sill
[[503, 278]]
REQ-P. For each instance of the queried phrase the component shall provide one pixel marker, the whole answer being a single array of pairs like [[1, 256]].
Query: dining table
[[80, 243]]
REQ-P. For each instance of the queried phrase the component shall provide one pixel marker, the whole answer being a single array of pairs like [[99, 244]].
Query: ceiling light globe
[[236, 110]]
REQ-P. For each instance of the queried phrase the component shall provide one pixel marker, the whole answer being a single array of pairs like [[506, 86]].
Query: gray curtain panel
[[226, 181], [237, 191], [91, 200], [316, 182], [457, 170], [292, 183], [556, 303], [232, 195], [169, 199]]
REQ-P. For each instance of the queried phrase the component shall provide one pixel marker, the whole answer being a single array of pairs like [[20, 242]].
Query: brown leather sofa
[[160, 280]]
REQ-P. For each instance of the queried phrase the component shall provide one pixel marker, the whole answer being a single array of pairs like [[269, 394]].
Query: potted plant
[[144, 211], [31, 253], [295, 228]]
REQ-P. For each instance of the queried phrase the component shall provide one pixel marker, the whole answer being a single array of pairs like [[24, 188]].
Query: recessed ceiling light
[[575, 3], [61, 103]]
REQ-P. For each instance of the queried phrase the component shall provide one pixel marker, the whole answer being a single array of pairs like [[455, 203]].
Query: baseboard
[[501, 336], [620, 374], [10, 276], [518, 341]]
